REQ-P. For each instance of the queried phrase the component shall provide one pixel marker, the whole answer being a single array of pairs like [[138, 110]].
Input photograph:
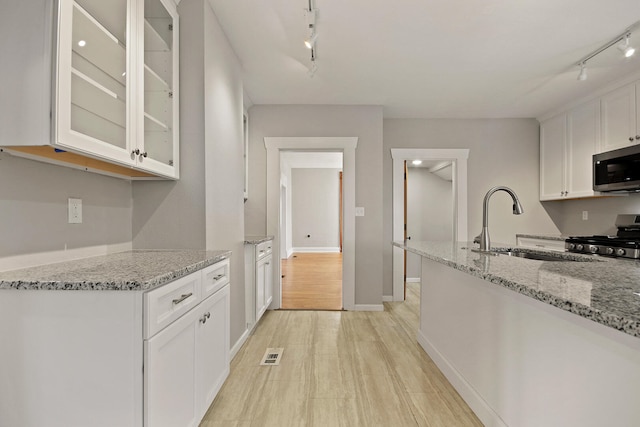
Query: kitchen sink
[[546, 256]]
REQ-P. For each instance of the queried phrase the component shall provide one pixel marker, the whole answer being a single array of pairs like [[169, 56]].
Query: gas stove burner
[[626, 244]]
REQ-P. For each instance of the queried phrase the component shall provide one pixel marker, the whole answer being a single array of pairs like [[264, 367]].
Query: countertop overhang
[[138, 270], [606, 290]]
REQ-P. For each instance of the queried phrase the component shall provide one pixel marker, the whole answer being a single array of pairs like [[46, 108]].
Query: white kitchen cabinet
[[620, 118], [115, 358], [109, 102], [567, 142], [259, 280], [187, 362]]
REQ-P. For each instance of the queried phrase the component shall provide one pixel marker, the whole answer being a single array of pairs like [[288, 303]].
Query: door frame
[[459, 158], [346, 145]]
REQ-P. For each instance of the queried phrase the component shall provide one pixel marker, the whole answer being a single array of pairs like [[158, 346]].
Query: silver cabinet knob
[[136, 151], [630, 138], [637, 136]]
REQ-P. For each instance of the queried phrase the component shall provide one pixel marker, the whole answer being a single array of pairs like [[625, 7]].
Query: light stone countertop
[[255, 240], [543, 236], [606, 290], [137, 270]]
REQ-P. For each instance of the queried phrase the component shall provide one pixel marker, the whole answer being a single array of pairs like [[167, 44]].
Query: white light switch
[[585, 215], [359, 211], [75, 211]]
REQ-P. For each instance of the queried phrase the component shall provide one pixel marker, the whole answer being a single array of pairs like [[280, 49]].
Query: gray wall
[[567, 214], [204, 209], [315, 207], [502, 152], [429, 212], [365, 122], [33, 208]]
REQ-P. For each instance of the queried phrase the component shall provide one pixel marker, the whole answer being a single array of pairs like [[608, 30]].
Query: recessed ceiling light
[[82, 43], [417, 162]]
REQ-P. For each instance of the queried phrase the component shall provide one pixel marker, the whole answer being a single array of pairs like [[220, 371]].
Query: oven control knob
[[610, 251], [593, 249], [620, 252], [572, 246], [580, 247]]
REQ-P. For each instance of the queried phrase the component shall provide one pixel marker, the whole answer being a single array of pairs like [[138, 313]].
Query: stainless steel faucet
[[483, 237]]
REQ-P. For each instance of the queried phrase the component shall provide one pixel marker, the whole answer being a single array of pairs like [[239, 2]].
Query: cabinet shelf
[[151, 124], [153, 82], [153, 40], [101, 48]]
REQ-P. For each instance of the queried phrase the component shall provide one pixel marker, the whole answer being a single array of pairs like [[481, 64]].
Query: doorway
[[458, 159], [310, 230], [346, 145]]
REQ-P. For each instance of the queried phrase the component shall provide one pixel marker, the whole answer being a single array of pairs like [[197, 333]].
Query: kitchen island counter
[[604, 290], [531, 343]]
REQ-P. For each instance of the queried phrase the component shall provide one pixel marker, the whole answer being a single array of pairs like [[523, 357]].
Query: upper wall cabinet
[[620, 118], [567, 142], [108, 74]]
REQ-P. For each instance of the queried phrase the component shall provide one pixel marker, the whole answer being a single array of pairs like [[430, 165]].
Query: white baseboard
[[238, 345], [413, 280], [368, 307], [387, 298], [477, 404], [41, 258], [317, 250]]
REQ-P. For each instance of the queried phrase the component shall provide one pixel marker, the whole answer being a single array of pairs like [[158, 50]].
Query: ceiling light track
[[311, 15], [625, 47]]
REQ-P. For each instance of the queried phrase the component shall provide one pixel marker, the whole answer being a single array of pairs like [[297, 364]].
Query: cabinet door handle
[[136, 151], [267, 263], [637, 136], [218, 277], [182, 298], [262, 251], [204, 317], [630, 138]]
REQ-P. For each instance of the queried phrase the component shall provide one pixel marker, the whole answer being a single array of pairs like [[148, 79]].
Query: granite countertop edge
[[70, 284], [256, 240], [620, 323]]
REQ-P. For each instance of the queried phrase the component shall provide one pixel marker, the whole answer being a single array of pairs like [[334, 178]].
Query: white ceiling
[[430, 58]]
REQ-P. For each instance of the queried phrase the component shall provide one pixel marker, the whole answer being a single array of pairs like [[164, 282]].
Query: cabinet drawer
[[263, 249], [167, 303], [214, 277]]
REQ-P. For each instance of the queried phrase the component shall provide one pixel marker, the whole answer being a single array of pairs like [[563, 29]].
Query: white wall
[[429, 212], [364, 122], [502, 152], [315, 201]]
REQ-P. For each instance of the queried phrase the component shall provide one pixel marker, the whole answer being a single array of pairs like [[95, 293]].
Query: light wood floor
[[339, 368], [312, 281]]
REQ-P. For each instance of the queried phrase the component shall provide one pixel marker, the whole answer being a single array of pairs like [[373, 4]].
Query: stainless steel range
[[625, 244]]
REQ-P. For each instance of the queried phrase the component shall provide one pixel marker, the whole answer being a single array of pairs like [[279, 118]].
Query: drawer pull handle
[[267, 263], [262, 251], [204, 317], [218, 277], [182, 298]]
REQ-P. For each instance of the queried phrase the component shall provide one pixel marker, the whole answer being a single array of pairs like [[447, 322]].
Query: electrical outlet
[[75, 211], [585, 215]]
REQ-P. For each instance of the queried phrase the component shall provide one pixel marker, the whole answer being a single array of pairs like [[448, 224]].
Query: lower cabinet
[[115, 358], [259, 280], [187, 362]]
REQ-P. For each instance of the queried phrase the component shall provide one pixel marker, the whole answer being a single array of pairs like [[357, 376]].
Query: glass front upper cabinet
[[160, 60], [94, 78]]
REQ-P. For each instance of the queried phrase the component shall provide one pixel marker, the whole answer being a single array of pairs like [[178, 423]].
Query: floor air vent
[[272, 357]]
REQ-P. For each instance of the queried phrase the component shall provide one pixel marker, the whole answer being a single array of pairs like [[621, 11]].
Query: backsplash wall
[[33, 208], [602, 212]]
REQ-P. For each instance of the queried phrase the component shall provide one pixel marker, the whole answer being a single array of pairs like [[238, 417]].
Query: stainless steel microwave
[[617, 170]]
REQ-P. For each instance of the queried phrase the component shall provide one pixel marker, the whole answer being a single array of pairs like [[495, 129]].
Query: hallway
[[339, 368]]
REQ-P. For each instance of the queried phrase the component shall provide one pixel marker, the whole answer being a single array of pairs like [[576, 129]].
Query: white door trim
[[347, 145], [459, 159]]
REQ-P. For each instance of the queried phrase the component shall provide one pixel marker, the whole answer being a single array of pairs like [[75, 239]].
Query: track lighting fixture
[[583, 72], [624, 47], [310, 41]]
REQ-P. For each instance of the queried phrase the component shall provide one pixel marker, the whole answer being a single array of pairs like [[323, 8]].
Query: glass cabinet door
[[160, 49], [93, 81]]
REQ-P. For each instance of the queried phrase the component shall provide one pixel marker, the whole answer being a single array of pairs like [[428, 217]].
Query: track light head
[[583, 72], [626, 48], [310, 41]]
